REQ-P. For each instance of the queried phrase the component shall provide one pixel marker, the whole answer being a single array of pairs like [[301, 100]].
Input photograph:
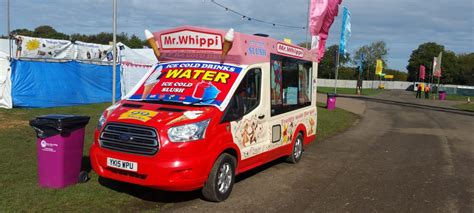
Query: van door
[[250, 131]]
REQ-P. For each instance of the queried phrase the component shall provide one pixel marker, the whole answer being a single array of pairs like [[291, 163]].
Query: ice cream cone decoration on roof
[[151, 40], [227, 45]]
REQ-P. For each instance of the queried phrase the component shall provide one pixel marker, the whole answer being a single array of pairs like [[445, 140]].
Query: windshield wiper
[[202, 100]]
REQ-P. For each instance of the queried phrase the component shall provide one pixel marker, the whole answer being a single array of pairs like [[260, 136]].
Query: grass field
[[469, 107], [18, 183], [350, 91], [458, 98]]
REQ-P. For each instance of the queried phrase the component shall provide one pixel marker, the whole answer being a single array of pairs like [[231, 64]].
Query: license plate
[[122, 164]]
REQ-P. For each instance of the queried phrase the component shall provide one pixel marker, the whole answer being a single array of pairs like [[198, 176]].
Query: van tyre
[[297, 150], [221, 179]]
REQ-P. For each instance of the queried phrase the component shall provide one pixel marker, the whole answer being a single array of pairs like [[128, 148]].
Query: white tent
[[5, 81], [5, 73], [135, 64]]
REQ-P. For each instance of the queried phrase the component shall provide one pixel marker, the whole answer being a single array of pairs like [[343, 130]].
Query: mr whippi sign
[[189, 39], [290, 50], [189, 82]]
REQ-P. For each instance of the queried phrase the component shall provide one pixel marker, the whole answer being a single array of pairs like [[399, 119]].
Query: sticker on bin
[[122, 164]]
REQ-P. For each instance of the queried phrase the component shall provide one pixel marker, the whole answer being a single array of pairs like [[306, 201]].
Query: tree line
[[456, 68], [46, 31], [349, 67]]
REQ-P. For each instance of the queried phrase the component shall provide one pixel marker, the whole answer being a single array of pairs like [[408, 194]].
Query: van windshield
[[198, 83]]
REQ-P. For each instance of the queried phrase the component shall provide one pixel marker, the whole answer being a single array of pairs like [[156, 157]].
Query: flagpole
[[431, 81], [337, 67], [8, 31], [114, 48], [307, 26]]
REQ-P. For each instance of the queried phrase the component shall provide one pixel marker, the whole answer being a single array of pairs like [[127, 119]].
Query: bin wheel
[[83, 177]]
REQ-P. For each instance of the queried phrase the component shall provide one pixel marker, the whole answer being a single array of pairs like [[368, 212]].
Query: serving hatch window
[[189, 83], [290, 84]]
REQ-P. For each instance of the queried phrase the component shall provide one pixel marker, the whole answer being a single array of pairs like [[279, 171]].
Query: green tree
[[424, 55], [305, 45], [134, 42], [397, 75], [46, 31], [24, 32], [466, 69], [327, 64], [449, 66], [372, 52]]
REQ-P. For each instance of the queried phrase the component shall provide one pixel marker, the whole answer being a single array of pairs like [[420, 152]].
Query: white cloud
[[403, 24]]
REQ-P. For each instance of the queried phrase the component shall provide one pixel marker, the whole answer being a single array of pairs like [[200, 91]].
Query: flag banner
[[321, 17], [422, 72], [437, 68], [30, 47], [314, 42], [41, 48], [345, 31], [361, 63], [317, 11], [378, 68], [91, 51]]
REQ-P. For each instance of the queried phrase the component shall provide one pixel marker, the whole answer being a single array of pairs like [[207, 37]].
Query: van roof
[[199, 43]]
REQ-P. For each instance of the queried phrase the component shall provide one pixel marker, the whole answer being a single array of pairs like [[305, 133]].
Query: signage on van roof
[[189, 43], [290, 50], [191, 40]]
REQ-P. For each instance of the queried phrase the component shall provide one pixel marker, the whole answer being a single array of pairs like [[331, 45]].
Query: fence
[[395, 85], [400, 85]]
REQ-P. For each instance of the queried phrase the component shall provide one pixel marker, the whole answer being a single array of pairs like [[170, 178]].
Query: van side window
[[290, 84], [247, 96]]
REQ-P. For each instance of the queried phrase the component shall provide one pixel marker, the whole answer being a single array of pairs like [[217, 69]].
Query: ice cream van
[[219, 103]]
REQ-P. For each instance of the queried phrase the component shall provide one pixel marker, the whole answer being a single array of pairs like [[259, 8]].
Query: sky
[[402, 24]]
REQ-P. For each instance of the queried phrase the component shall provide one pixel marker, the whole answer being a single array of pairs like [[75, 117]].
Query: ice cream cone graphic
[[227, 45], [146, 90], [151, 40]]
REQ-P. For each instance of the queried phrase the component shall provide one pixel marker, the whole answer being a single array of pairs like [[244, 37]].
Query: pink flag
[[322, 13], [317, 11], [422, 72]]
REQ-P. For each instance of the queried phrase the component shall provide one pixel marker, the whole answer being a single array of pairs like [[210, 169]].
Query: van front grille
[[129, 138]]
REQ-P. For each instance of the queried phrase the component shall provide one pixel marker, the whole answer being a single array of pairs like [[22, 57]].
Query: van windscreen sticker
[[189, 83]]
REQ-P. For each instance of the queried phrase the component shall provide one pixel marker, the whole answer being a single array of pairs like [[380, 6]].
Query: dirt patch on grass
[[11, 123]]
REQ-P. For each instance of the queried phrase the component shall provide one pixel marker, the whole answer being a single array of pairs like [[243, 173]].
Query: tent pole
[[114, 46], [8, 31]]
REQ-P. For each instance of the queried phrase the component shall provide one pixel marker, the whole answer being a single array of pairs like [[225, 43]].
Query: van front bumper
[[177, 174]]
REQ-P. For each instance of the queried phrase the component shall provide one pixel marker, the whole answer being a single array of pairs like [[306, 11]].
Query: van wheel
[[221, 179], [297, 150]]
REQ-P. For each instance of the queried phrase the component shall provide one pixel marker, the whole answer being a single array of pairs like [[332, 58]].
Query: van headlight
[[188, 132], [106, 114], [101, 122]]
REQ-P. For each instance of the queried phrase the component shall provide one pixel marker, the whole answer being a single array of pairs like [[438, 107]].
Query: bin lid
[[60, 121], [332, 95]]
